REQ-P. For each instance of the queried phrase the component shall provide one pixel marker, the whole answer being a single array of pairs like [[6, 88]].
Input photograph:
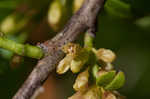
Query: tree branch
[[82, 20]]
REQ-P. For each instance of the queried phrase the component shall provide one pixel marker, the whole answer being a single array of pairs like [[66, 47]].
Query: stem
[[89, 38], [20, 49]]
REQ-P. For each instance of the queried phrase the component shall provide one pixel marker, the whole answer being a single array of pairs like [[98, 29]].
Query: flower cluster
[[97, 78]]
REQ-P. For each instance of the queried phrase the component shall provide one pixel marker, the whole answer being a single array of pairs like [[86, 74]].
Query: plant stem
[[88, 40], [21, 49], [89, 37]]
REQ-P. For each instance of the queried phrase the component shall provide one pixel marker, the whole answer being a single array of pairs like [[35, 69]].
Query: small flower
[[77, 95], [81, 82], [72, 49], [108, 66], [106, 55], [108, 95], [93, 93], [64, 64]]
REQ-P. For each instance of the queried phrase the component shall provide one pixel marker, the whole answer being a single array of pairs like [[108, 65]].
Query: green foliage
[[118, 8], [117, 82], [103, 78]]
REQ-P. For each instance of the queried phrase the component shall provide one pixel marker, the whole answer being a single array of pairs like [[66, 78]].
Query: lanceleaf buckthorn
[[81, 82], [77, 4], [64, 64], [106, 55], [93, 93], [79, 60]]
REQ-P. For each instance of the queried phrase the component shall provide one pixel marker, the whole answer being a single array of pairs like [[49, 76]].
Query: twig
[[82, 20], [21, 49]]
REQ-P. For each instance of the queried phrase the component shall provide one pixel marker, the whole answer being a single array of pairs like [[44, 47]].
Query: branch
[[82, 20]]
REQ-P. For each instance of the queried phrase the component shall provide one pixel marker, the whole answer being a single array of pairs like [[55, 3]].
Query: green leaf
[[117, 82], [118, 8], [104, 77]]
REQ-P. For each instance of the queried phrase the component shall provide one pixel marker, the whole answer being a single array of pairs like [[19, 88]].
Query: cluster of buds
[[105, 80]]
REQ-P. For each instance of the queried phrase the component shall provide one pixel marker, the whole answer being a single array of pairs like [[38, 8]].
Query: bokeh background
[[123, 26]]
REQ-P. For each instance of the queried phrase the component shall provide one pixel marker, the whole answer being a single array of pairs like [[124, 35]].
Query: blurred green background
[[123, 26]]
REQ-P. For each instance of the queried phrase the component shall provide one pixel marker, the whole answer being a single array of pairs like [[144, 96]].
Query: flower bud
[[8, 24], [72, 49], [108, 95], [55, 14], [77, 95], [93, 93], [64, 64], [109, 66], [81, 82], [106, 55], [13, 23], [77, 4], [58, 14], [118, 95]]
